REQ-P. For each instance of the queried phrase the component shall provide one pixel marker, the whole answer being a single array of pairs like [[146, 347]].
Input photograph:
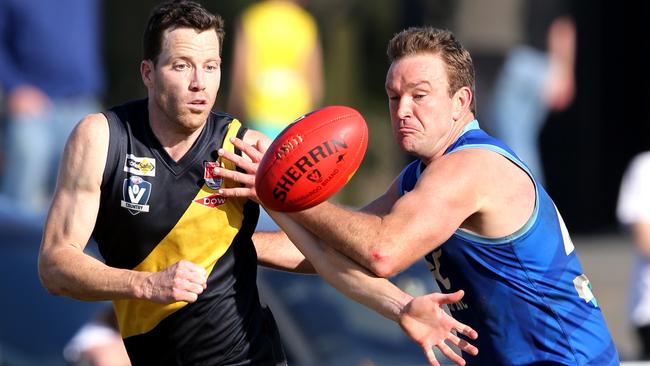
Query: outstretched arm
[[275, 250], [422, 318], [393, 232]]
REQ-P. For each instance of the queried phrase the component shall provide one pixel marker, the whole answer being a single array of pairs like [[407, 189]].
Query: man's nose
[[198, 80], [403, 108]]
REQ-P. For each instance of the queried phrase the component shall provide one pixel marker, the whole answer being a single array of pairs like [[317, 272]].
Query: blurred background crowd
[[551, 81]]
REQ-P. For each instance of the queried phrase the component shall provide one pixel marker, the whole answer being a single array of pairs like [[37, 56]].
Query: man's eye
[[181, 67]]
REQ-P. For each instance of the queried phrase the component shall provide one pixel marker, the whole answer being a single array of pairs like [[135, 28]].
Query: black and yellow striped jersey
[[155, 211]]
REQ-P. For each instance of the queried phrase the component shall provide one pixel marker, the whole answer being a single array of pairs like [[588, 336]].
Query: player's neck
[[455, 132], [175, 139], [458, 127]]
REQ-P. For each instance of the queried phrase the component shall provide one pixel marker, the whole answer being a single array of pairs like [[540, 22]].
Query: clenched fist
[[183, 281]]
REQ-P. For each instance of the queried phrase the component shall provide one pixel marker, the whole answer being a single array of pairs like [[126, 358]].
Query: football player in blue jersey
[[473, 210]]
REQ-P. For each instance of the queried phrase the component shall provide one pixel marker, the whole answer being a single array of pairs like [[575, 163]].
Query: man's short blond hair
[[422, 40]]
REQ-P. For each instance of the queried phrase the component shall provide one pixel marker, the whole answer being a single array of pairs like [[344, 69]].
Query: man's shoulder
[[92, 128], [474, 172], [93, 123], [480, 163]]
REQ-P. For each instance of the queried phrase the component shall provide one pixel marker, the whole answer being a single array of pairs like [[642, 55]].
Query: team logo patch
[[211, 180], [140, 166], [583, 287], [135, 194], [212, 200]]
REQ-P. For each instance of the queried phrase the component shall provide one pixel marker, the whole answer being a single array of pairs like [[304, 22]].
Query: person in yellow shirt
[[277, 66]]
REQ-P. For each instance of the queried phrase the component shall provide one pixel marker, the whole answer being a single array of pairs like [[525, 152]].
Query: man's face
[[185, 80], [420, 105]]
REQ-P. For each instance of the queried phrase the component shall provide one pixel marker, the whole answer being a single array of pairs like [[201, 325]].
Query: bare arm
[[393, 232], [473, 189], [275, 250], [63, 266], [422, 318], [335, 268]]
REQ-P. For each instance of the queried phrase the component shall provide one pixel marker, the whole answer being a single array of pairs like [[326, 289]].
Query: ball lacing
[[288, 146]]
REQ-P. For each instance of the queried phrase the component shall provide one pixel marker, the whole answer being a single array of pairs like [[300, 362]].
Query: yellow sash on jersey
[[202, 235]]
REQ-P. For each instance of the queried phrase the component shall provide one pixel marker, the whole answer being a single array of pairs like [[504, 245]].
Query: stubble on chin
[[191, 121]]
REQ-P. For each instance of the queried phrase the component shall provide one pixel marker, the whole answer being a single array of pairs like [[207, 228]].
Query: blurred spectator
[[51, 75], [634, 211], [535, 80], [277, 66], [98, 343]]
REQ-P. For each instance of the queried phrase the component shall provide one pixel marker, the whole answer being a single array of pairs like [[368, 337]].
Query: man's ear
[[462, 102], [146, 71]]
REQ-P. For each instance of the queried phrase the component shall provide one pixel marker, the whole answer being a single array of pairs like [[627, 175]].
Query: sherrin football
[[312, 159]]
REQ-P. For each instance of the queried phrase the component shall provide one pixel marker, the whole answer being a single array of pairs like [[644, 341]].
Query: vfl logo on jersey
[[211, 180], [140, 166], [212, 200], [135, 193]]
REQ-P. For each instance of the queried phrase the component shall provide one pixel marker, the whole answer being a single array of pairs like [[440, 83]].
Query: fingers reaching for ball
[[307, 163], [312, 159], [244, 175]]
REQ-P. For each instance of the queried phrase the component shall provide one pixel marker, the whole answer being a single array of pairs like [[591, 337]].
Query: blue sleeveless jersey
[[525, 294]]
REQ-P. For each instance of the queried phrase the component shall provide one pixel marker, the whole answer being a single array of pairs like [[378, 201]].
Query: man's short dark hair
[[177, 14]]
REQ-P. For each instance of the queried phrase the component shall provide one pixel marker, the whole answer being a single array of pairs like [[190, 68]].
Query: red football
[[312, 159]]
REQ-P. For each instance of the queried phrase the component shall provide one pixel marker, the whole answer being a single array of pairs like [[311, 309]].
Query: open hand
[[424, 320]]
